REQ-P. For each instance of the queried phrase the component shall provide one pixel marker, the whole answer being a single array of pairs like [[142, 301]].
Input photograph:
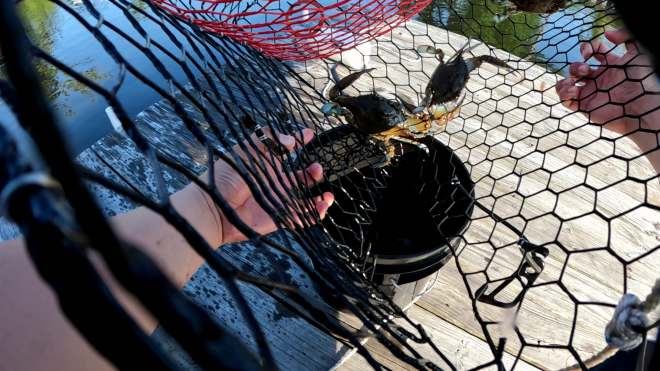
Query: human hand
[[236, 192], [619, 87]]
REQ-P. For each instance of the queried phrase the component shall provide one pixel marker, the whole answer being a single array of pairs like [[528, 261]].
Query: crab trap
[[496, 205]]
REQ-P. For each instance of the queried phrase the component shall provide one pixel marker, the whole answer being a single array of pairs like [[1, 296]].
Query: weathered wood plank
[[110, 202], [516, 141], [591, 276], [248, 259], [163, 129], [515, 138], [297, 344], [464, 350], [295, 341]]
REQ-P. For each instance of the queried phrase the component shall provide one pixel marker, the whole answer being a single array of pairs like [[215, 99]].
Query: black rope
[[237, 80]]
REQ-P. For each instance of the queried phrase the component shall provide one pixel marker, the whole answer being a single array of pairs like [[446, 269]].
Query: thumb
[[619, 36]]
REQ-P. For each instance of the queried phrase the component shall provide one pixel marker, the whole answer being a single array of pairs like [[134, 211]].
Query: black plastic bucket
[[411, 209]]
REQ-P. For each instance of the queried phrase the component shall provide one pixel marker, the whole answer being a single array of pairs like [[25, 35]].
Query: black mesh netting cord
[[549, 218]]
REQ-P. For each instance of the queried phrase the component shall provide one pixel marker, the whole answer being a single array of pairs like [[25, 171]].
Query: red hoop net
[[300, 30]]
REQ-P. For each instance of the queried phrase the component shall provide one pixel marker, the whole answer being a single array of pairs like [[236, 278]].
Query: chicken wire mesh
[[550, 218]]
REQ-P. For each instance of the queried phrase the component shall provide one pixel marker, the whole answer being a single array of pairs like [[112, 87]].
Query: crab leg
[[474, 63], [389, 154], [503, 3], [421, 146], [408, 108], [347, 81], [464, 49], [335, 109], [417, 126], [497, 18], [441, 54]]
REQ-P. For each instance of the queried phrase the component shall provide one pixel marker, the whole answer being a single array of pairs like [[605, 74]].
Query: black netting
[[550, 215]]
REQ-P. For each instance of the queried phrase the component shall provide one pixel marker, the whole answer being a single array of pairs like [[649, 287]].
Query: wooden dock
[[523, 149]]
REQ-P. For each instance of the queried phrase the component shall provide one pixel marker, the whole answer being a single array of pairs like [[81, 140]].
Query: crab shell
[[541, 6]]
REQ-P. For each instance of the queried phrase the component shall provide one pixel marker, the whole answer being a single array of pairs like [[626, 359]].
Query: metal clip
[[531, 260], [530, 250]]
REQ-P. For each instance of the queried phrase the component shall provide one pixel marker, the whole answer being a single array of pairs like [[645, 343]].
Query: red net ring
[[300, 33], [306, 30]]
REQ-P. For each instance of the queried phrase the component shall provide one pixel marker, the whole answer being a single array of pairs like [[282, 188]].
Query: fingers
[[312, 174], [304, 136], [568, 93], [579, 70], [598, 50], [286, 140], [602, 52], [322, 205], [619, 36], [290, 142], [624, 36]]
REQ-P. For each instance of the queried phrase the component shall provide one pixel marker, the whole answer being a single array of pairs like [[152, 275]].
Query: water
[[80, 111], [550, 40], [77, 108]]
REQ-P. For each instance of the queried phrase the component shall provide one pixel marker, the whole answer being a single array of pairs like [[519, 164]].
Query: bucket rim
[[431, 142], [423, 254]]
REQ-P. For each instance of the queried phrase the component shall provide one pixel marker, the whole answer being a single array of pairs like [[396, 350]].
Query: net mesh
[[302, 30], [549, 215]]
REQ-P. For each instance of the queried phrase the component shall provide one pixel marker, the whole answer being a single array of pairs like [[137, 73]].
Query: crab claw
[[476, 62], [440, 111], [277, 148], [497, 18], [347, 81], [386, 160], [432, 50], [503, 3], [421, 108], [409, 108], [282, 116], [331, 109], [446, 112]]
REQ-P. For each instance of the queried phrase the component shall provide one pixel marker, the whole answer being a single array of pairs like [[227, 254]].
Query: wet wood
[[296, 343]]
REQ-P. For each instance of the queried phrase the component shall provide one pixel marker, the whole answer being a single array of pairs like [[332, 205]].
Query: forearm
[[35, 335], [648, 143], [162, 242]]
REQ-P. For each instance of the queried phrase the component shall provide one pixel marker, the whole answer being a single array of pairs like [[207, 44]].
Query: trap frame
[[236, 75]]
